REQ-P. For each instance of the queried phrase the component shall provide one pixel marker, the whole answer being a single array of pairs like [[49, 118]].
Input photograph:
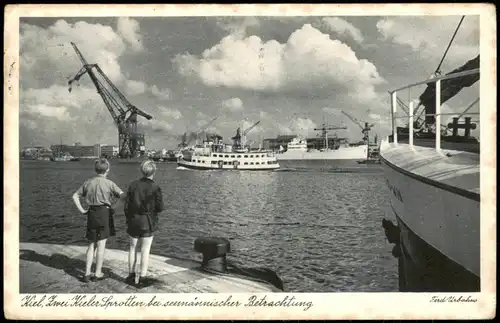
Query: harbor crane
[[240, 138], [186, 141], [324, 132], [205, 128], [365, 130], [131, 143]]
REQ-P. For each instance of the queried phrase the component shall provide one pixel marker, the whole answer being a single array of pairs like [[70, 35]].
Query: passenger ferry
[[217, 155]]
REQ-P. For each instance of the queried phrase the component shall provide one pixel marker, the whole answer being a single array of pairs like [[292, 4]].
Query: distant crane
[[185, 140], [130, 142], [365, 130], [207, 126], [324, 132], [240, 138]]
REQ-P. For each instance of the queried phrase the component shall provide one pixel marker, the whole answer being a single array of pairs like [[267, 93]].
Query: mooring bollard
[[214, 251]]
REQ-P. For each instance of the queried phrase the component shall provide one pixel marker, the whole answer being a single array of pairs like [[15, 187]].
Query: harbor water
[[317, 225]]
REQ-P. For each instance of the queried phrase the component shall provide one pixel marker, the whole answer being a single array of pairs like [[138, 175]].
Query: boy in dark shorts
[[144, 202], [98, 193]]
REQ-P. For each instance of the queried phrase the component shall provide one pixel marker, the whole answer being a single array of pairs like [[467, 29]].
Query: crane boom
[[354, 120], [80, 55], [250, 128], [365, 130], [208, 125], [124, 114], [204, 128], [239, 140]]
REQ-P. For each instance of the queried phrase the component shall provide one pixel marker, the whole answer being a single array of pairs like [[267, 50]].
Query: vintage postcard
[[250, 161]]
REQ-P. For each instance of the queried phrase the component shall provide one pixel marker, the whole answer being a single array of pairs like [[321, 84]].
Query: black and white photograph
[[250, 159]]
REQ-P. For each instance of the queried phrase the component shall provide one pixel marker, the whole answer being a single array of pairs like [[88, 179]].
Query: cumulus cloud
[[54, 112], [159, 125], [129, 30], [59, 112], [233, 104], [330, 110], [299, 126], [170, 113], [309, 63], [55, 101], [429, 36], [237, 25], [48, 61], [48, 54], [135, 87], [161, 94], [343, 27], [375, 116]]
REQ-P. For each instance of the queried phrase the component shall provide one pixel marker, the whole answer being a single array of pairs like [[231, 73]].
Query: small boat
[[369, 161], [61, 158], [172, 156]]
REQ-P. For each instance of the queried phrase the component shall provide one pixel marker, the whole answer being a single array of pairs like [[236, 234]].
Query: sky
[[291, 73]]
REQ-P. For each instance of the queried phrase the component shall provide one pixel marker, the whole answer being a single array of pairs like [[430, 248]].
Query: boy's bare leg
[[145, 248], [132, 255], [90, 258], [101, 246]]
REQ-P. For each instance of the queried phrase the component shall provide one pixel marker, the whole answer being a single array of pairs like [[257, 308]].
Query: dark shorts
[[100, 223], [141, 226]]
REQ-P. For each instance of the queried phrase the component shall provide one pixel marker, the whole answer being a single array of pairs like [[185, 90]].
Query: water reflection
[[319, 230]]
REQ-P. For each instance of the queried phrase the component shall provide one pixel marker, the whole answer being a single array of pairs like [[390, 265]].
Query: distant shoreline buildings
[[77, 150]]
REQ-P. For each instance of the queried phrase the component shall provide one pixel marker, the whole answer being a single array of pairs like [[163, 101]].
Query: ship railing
[[411, 113]]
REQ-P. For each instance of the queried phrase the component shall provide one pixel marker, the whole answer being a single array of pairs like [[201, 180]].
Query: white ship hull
[[348, 153], [229, 161], [435, 200], [201, 166]]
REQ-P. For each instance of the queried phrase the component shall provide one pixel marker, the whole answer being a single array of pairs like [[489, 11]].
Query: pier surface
[[52, 268]]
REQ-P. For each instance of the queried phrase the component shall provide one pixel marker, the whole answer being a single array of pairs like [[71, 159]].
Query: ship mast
[[324, 131]]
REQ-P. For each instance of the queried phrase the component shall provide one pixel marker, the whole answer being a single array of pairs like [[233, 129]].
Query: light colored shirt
[[99, 191]]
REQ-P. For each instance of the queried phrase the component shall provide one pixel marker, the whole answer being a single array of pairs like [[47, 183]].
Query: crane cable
[[449, 45], [442, 60]]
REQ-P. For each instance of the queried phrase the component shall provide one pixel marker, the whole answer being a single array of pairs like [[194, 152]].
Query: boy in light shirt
[[98, 193]]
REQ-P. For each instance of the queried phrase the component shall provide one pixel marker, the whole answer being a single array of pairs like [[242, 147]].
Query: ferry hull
[[350, 153], [439, 240], [426, 269], [195, 166]]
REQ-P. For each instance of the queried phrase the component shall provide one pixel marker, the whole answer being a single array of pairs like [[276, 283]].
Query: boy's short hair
[[101, 166], [148, 168]]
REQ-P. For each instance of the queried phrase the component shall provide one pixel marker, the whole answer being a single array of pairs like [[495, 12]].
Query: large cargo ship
[[432, 173], [333, 148], [297, 149]]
